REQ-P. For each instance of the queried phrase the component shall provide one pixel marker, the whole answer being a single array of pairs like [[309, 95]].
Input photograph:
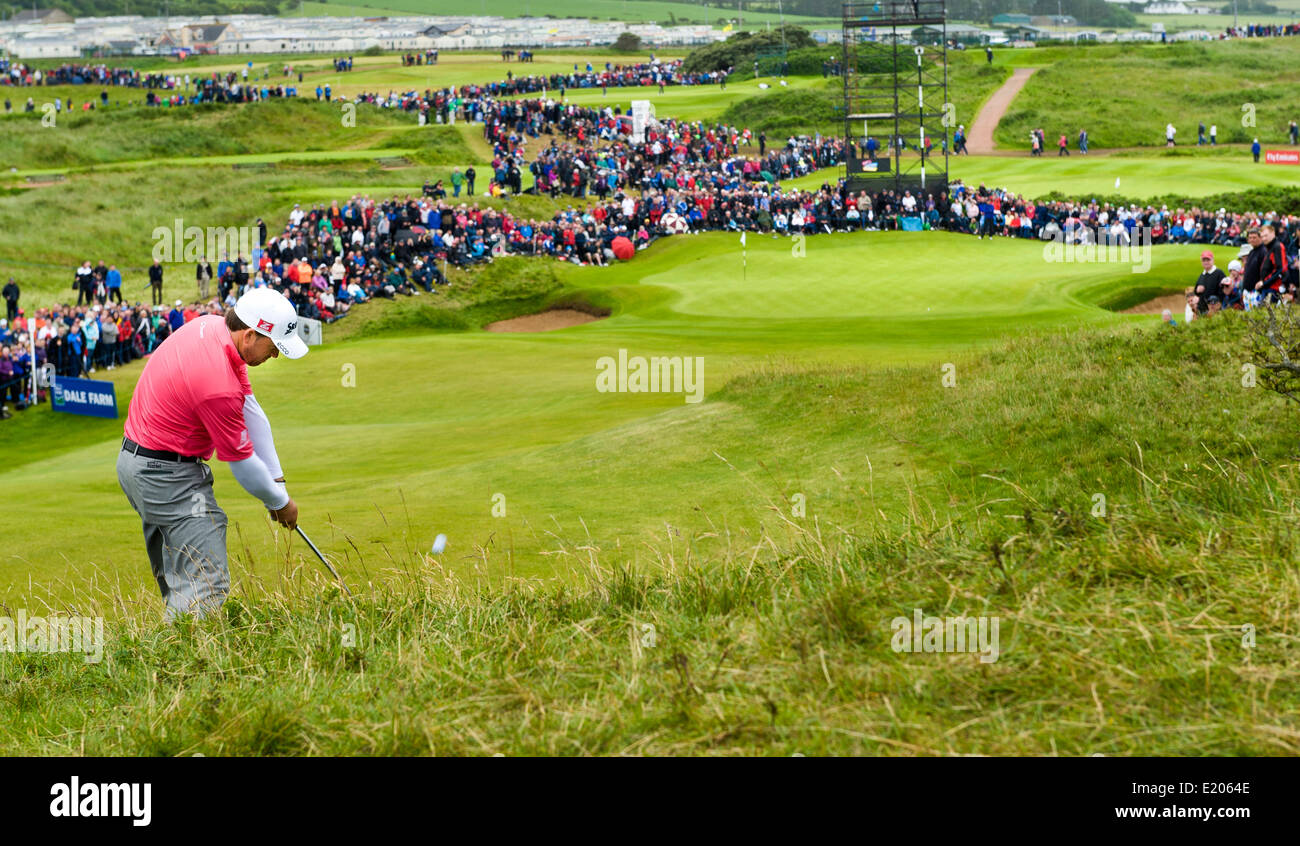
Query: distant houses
[[53, 34], [1176, 7], [43, 17], [201, 38], [958, 33]]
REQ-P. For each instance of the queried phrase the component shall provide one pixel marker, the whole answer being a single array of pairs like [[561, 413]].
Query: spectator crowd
[[679, 177]]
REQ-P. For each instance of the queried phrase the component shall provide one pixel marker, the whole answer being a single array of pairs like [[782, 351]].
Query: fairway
[[434, 415]]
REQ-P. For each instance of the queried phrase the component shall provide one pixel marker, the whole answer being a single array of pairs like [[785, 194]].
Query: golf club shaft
[[328, 566]]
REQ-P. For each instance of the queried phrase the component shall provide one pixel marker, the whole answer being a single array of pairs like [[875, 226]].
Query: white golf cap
[[269, 313]]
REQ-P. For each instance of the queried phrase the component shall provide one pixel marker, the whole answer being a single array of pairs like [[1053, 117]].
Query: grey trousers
[[184, 530]]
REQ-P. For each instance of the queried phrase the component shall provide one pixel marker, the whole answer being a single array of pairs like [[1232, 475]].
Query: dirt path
[[980, 139]]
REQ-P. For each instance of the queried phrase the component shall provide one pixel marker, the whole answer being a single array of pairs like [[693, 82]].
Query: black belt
[[135, 449]]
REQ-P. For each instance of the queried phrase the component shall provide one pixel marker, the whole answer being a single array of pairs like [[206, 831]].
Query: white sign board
[[310, 331], [643, 117]]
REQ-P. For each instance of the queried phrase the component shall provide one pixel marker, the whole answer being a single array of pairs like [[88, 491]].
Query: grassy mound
[[796, 111], [140, 133], [1104, 89], [1121, 619]]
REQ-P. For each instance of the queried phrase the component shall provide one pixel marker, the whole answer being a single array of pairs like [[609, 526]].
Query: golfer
[[193, 398]]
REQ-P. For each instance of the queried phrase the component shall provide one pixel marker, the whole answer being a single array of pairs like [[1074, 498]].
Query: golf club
[[328, 566]]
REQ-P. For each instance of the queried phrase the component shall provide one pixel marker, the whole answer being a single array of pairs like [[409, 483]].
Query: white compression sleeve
[[253, 475], [259, 431]]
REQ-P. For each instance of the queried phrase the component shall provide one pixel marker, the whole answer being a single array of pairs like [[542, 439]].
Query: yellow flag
[[727, 28], [552, 31]]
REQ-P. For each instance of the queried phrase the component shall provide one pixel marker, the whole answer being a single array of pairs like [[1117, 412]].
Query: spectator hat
[[1209, 254], [1235, 264], [270, 313], [178, 303], [1244, 251]]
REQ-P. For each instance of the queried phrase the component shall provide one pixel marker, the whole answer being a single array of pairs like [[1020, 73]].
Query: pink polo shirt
[[190, 397]]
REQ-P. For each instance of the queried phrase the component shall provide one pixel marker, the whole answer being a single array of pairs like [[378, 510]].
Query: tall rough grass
[[1121, 628]]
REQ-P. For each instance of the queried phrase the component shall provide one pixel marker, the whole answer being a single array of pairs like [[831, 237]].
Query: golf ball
[[439, 544]]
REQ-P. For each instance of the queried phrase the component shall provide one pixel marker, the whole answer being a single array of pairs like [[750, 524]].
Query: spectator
[[1274, 270], [1254, 150], [203, 278], [176, 317], [1230, 286], [156, 281], [1252, 253], [84, 284], [1208, 284], [90, 327], [114, 284], [11, 294], [109, 358]]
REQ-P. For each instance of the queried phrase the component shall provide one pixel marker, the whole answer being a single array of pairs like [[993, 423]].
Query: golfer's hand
[[287, 516]]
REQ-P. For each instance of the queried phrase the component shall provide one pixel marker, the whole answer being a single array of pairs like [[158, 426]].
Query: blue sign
[[910, 224], [85, 396]]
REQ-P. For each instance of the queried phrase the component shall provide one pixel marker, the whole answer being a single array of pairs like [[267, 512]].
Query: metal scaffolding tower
[[895, 76]]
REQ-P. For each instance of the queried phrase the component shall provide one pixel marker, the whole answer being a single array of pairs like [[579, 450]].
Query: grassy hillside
[[1126, 93], [142, 134], [1120, 632], [808, 104], [46, 231]]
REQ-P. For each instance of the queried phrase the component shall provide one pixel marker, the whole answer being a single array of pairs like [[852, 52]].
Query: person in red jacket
[[1273, 267]]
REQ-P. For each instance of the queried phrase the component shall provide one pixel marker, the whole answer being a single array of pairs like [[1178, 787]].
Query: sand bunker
[[560, 318], [1174, 302]]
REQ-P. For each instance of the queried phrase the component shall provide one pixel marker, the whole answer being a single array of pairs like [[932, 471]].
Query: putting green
[[441, 428], [854, 275]]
